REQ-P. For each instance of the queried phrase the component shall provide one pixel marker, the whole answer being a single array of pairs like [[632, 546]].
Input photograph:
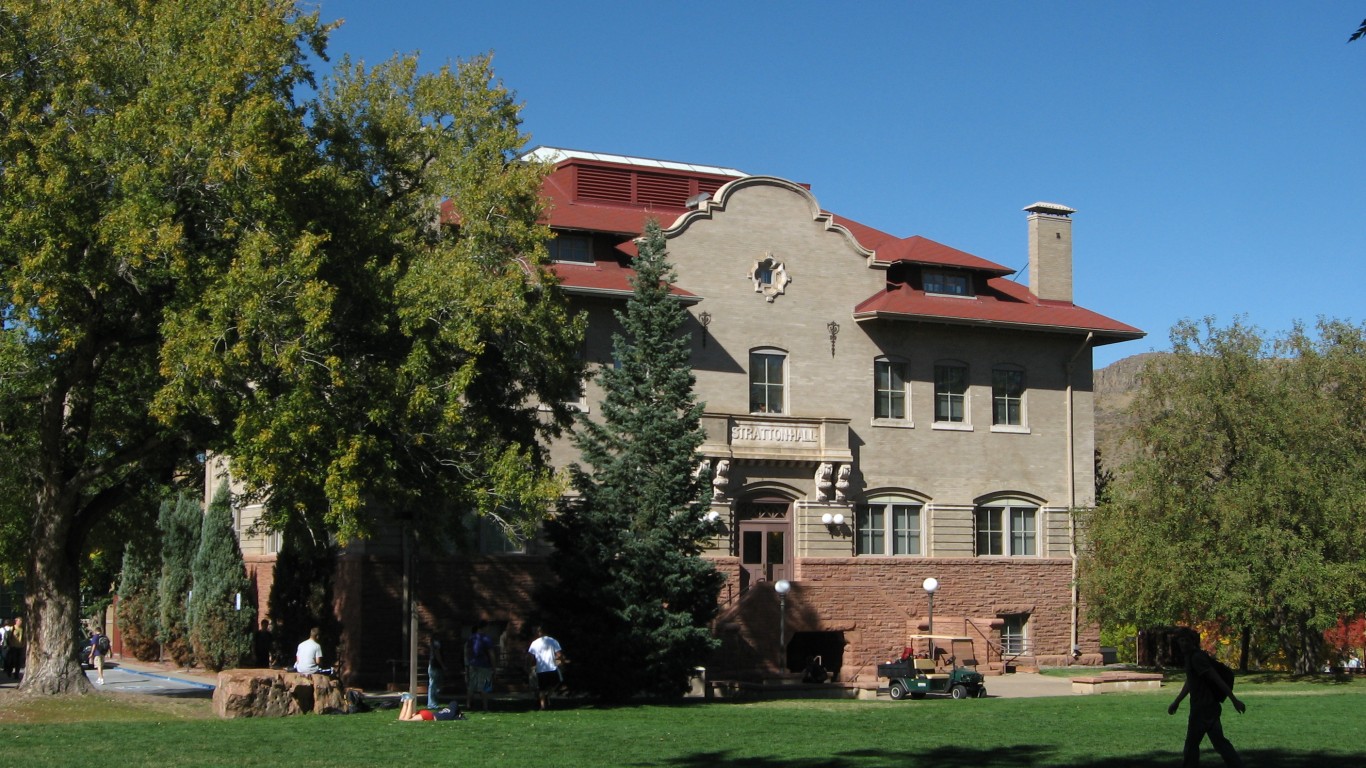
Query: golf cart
[[945, 666]]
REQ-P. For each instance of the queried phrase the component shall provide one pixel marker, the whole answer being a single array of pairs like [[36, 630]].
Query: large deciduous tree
[[194, 259], [133, 140], [633, 597], [1246, 502]]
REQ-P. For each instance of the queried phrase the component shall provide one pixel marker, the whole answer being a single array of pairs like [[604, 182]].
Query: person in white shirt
[[547, 658], [308, 660]]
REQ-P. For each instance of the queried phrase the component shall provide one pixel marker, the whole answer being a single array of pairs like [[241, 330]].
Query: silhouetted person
[[1205, 687]]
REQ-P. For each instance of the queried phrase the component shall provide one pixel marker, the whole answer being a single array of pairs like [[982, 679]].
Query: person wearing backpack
[[99, 646], [1207, 687]]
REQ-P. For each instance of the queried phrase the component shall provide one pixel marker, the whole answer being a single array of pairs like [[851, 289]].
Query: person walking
[[1206, 688], [5, 630], [99, 646], [436, 671], [14, 657], [478, 666], [546, 658]]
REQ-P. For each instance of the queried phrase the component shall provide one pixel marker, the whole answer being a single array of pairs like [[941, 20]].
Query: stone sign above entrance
[[776, 438]]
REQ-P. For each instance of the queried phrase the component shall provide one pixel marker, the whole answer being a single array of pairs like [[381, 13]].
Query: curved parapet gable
[[706, 209]]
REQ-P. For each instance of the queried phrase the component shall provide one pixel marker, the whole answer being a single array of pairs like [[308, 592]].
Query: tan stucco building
[[879, 410]]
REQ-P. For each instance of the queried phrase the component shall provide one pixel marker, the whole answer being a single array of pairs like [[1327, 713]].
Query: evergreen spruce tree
[[139, 597], [179, 524], [633, 598], [220, 625]]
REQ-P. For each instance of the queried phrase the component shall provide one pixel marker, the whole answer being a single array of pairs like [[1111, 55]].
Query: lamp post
[[930, 585], [781, 588]]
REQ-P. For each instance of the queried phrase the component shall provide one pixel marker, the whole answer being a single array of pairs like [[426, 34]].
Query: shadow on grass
[[1017, 756]]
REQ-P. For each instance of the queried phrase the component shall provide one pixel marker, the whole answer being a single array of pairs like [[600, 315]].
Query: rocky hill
[[1115, 386]]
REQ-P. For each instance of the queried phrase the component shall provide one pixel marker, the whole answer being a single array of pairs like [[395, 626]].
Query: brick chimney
[[1050, 251]]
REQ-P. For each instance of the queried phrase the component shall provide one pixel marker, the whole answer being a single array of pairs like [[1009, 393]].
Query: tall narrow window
[[1007, 394], [889, 389], [990, 540], [872, 530], [766, 382], [905, 529], [1022, 533], [950, 393]]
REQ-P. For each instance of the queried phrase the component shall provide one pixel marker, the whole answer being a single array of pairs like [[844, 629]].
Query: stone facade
[[855, 426]]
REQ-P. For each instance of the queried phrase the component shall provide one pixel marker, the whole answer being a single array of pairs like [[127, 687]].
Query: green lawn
[[1297, 724]]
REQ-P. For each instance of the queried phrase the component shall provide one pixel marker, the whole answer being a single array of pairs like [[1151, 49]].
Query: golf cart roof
[[940, 637]]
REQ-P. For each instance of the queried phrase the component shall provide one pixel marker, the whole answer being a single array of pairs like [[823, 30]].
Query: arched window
[[767, 380], [889, 525], [1007, 527]]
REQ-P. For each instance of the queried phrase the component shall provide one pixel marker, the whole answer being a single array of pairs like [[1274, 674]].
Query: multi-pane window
[[889, 389], [1014, 634], [950, 393], [1007, 394], [575, 248], [948, 283], [1007, 529], [766, 381], [884, 523]]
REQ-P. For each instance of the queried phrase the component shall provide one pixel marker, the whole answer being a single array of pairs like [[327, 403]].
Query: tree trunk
[[52, 616], [1244, 647]]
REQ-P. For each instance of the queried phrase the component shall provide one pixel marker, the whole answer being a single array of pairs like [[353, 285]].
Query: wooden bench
[[1109, 682]]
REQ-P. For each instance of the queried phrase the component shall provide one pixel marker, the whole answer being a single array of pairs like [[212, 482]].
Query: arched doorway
[[764, 540]]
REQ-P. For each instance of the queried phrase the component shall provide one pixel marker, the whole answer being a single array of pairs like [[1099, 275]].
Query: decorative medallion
[[769, 277]]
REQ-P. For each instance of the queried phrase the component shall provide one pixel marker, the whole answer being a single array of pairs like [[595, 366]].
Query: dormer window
[[948, 283], [576, 249]]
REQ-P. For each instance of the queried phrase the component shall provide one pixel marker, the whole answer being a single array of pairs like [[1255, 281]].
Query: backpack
[[1221, 669], [104, 644]]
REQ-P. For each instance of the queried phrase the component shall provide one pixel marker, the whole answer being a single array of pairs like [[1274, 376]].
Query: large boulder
[[275, 693], [329, 697]]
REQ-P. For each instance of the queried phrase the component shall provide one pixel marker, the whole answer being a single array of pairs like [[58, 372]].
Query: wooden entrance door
[[765, 542]]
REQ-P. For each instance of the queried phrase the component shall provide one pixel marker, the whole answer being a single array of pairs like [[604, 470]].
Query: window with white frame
[[888, 527], [577, 249], [1007, 527], [1007, 396], [767, 371], [951, 393], [889, 389]]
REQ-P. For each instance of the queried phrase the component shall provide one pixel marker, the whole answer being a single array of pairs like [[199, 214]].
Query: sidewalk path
[[154, 679]]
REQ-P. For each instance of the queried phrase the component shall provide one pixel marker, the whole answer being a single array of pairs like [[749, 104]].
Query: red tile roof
[[605, 278], [1003, 303]]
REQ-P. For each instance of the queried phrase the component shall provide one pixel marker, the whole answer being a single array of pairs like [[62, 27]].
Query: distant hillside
[[1115, 386]]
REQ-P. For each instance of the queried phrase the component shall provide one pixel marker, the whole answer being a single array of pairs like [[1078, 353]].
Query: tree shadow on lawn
[[1015, 756]]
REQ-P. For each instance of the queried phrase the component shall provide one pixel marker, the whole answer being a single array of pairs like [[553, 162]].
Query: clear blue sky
[[1215, 152]]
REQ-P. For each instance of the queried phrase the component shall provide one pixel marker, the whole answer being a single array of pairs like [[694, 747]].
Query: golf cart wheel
[[959, 692], [982, 692], [898, 691]]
